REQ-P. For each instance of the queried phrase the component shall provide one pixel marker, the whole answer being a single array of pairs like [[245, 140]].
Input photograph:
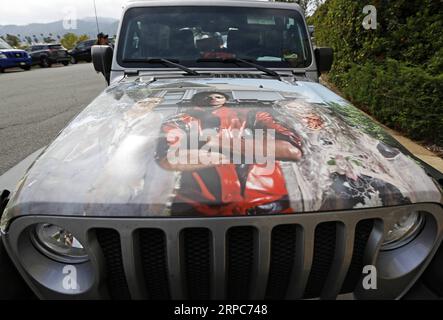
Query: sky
[[22, 12], [31, 11]]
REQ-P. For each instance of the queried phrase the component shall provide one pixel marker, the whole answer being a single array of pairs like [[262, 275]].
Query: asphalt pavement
[[36, 105]]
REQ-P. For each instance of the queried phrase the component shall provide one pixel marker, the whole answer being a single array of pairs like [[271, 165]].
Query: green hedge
[[404, 98], [393, 72]]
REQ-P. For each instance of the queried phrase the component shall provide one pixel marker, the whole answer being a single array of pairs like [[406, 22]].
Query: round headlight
[[403, 231], [58, 244]]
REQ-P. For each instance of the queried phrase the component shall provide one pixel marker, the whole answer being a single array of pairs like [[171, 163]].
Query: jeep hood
[[108, 160]]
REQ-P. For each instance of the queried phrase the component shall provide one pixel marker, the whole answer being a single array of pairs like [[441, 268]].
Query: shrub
[[393, 72], [404, 98]]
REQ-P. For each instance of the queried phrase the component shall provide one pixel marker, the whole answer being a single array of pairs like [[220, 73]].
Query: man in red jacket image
[[226, 187]]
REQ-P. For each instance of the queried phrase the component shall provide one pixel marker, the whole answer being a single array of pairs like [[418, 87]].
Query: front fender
[[10, 179], [12, 284]]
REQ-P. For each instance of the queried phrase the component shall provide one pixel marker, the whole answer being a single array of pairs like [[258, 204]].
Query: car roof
[[222, 3], [46, 44]]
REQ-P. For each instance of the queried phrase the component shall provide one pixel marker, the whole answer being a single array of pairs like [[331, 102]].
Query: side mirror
[[311, 30], [102, 60], [324, 58]]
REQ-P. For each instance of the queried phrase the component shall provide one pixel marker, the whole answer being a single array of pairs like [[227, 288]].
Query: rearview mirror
[[102, 59], [324, 58]]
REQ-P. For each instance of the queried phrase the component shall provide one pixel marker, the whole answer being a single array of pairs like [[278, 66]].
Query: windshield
[[4, 45], [55, 47], [199, 36]]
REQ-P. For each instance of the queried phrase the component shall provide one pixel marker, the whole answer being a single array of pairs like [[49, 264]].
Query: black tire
[[2, 70], [88, 60], [27, 68], [44, 63], [73, 60], [65, 63]]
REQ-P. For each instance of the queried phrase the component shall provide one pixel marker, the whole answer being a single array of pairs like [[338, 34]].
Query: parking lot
[[35, 105]]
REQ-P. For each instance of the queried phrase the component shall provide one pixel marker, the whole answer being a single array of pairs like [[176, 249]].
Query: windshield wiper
[[166, 62], [270, 72]]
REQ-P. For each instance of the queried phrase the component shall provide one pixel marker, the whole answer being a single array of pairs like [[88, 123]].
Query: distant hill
[[84, 26]]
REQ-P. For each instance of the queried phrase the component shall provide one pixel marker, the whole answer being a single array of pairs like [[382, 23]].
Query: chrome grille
[[244, 273]]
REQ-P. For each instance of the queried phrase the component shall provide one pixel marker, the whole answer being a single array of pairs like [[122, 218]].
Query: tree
[[308, 6], [12, 40], [83, 37], [69, 40]]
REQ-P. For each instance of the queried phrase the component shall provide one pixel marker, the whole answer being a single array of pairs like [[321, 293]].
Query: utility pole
[[96, 17]]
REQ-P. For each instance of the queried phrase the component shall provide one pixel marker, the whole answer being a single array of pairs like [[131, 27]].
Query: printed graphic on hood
[[229, 187], [350, 181], [114, 158]]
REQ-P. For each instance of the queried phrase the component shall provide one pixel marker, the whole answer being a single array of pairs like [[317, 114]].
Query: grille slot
[[154, 264], [109, 241], [362, 233], [283, 245], [197, 256], [324, 250], [240, 262]]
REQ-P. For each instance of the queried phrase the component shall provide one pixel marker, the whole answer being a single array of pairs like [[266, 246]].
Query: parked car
[[46, 55], [216, 166], [82, 51], [112, 41], [12, 58]]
